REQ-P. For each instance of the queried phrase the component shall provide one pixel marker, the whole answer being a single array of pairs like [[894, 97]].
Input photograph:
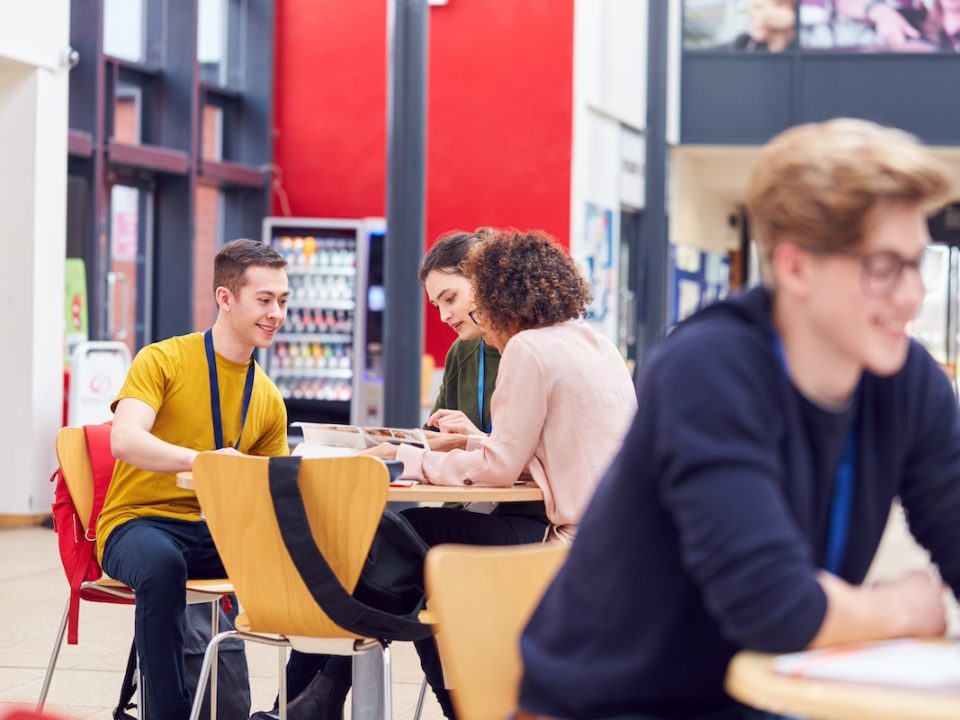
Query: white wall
[[33, 182], [34, 32], [609, 94]]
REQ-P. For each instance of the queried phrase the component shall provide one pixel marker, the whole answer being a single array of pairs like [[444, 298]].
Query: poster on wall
[[597, 264], [739, 25], [75, 308], [124, 220], [880, 26], [698, 278]]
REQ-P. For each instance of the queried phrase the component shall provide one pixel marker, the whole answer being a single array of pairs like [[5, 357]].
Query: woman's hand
[[445, 442], [453, 421], [384, 451]]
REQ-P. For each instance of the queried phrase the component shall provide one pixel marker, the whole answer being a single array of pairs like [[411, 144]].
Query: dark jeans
[[435, 526], [155, 556]]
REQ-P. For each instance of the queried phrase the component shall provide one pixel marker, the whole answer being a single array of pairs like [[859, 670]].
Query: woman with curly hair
[[563, 402]]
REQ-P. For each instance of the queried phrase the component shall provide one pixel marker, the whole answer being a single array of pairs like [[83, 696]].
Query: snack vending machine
[[327, 358]]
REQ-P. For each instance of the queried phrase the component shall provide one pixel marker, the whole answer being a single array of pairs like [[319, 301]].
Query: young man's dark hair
[[236, 256], [774, 431]]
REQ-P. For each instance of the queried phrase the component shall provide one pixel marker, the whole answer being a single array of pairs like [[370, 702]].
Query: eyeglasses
[[474, 315], [882, 271]]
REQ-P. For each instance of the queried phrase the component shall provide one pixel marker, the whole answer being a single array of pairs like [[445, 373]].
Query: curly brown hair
[[523, 280]]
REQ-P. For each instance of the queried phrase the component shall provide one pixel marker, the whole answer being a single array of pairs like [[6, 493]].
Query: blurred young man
[[181, 397], [773, 433]]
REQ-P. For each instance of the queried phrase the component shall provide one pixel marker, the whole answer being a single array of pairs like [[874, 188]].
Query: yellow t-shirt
[[172, 377]]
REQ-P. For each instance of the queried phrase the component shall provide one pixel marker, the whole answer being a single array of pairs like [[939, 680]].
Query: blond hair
[[823, 184]]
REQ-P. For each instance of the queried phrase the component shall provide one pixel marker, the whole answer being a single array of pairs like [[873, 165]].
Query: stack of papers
[[913, 664]]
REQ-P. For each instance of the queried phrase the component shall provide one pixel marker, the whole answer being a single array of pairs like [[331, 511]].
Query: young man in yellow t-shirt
[[183, 396]]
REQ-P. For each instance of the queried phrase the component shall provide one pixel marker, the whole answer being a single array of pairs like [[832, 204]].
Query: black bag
[[233, 676], [389, 593], [392, 576], [233, 679]]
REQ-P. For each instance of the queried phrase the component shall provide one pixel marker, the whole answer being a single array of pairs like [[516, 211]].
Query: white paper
[[915, 664]]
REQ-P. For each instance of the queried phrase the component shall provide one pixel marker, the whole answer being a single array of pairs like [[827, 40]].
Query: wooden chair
[[480, 598], [344, 499], [71, 447]]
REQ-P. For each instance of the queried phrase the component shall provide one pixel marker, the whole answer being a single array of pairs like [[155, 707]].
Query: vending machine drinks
[[326, 360]]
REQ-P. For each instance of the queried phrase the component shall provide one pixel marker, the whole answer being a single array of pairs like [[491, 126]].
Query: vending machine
[[327, 358]]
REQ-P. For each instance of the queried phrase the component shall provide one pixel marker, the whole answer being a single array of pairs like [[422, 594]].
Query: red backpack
[[78, 548]]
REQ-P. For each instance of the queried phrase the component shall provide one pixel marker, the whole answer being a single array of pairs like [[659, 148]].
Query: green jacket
[[461, 371]]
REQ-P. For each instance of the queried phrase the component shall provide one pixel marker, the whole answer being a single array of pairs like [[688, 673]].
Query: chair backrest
[[74, 459], [344, 499], [480, 599]]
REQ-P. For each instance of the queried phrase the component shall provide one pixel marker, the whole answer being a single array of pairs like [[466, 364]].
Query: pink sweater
[[563, 403]]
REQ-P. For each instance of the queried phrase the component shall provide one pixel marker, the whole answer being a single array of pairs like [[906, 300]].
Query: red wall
[[499, 128]]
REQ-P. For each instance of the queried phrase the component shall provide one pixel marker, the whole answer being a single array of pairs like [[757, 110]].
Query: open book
[[356, 437], [913, 664], [331, 440]]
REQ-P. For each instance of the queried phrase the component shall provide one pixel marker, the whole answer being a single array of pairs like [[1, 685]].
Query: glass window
[[124, 29], [211, 147], [212, 41], [128, 269], [127, 113]]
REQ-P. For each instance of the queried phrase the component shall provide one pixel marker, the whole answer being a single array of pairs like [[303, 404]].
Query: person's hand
[[445, 442], [384, 451], [891, 27], [229, 451], [453, 421], [917, 600]]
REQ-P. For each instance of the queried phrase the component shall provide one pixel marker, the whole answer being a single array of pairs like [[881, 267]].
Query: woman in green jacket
[[470, 369]]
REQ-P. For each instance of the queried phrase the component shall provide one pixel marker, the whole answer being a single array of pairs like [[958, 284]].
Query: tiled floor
[[88, 677], [87, 682]]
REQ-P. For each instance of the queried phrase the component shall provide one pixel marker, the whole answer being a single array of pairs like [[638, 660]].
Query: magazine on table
[[332, 440], [931, 666], [358, 437]]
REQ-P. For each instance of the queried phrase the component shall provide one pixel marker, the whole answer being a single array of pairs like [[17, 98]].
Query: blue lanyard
[[215, 392], [489, 426], [841, 505], [841, 502]]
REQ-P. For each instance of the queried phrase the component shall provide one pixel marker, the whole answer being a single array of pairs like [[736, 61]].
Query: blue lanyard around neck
[[489, 425], [841, 501], [215, 393]]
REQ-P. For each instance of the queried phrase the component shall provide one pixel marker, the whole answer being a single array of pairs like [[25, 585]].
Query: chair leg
[[420, 698], [141, 691], [387, 682], [282, 674], [58, 643], [212, 649], [215, 662]]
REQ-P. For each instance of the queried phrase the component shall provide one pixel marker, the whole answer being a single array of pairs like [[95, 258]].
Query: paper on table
[[914, 664], [322, 451]]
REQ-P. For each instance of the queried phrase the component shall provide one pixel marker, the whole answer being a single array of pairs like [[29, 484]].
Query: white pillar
[[33, 209]]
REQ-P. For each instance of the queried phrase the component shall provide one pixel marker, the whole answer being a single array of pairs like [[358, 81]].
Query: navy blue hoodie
[[706, 535]]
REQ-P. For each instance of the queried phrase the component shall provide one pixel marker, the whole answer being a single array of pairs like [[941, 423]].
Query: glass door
[[128, 266]]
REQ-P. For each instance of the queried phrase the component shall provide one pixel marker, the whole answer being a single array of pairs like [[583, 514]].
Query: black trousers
[[436, 526], [155, 556]]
